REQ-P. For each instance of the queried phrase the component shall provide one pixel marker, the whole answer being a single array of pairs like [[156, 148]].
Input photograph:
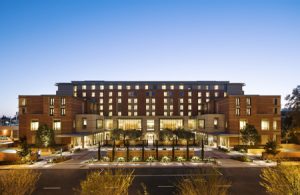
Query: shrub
[[150, 159], [243, 158], [135, 159], [120, 159], [18, 182], [180, 159], [195, 159], [105, 159], [165, 159]]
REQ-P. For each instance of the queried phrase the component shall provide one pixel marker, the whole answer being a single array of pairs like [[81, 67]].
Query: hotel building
[[85, 112]]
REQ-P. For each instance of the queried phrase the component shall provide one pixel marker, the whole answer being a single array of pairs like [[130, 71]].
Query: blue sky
[[49, 41]]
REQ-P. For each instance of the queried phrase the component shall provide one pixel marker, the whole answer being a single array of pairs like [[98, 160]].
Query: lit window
[[129, 107], [199, 94], [171, 87], [135, 113], [34, 125], [110, 114], [171, 107], [181, 100], [111, 87], [216, 87], [84, 123], [128, 87], [101, 94], [153, 100], [207, 94], [56, 125], [189, 113], [181, 107], [163, 87], [101, 87], [165, 107], [207, 100], [129, 113], [110, 100], [101, 113], [119, 94], [170, 123], [146, 87], [153, 107], [51, 101], [216, 94], [119, 100], [101, 107], [51, 111], [93, 94], [99, 124], [199, 107], [63, 101], [150, 125], [75, 88], [119, 113], [206, 87], [83, 87], [137, 87], [129, 101], [63, 111], [274, 125], [190, 107], [153, 113], [237, 112], [189, 100], [199, 87], [147, 100], [225, 94], [147, 113], [248, 101], [110, 94], [135, 100], [110, 107], [248, 111], [93, 87], [75, 94], [265, 125], [165, 114], [128, 124], [101, 101], [135, 107], [119, 87], [189, 93], [181, 87], [237, 101], [83, 94], [201, 123], [199, 101], [243, 124], [165, 100], [165, 93], [147, 107], [181, 113], [215, 123], [108, 124]]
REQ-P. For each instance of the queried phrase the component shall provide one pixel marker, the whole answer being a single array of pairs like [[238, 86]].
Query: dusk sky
[[44, 42]]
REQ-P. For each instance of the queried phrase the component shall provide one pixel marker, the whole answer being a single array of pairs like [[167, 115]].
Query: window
[[101, 87], [135, 113], [171, 87], [93, 94], [119, 100], [192, 124], [83, 94], [189, 93], [153, 107], [207, 100], [111, 87], [110, 100], [190, 100], [206, 87], [75, 88], [135, 107], [165, 107], [237, 112], [84, 123], [275, 101], [137, 87], [216, 123], [51, 111], [265, 125], [127, 124], [34, 125], [165, 93], [163, 87], [56, 125], [119, 113], [199, 101], [181, 87], [248, 101], [135, 100], [248, 111], [275, 111], [93, 87], [181, 100], [190, 107], [201, 124], [181, 113], [119, 87], [101, 101], [199, 94], [171, 107], [101, 107], [101, 94], [146, 87], [99, 124], [237, 101], [110, 107], [110, 114], [181, 107], [200, 107], [165, 113], [150, 125], [119, 94], [216, 87], [83, 87], [243, 124], [147, 107], [216, 94], [153, 100], [128, 87], [147, 100], [274, 125], [170, 124], [207, 94], [153, 113], [225, 94], [110, 94], [51, 101], [108, 124], [63, 111], [63, 101]]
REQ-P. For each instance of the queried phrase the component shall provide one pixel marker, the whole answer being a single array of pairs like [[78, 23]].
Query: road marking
[[52, 188], [165, 186]]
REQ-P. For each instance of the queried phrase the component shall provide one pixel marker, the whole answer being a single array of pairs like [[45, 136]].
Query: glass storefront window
[[109, 124], [192, 124], [99, 124], [150, 125], [171, 124], [127, 124]]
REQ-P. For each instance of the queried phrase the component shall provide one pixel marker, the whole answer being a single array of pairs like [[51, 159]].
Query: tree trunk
[[173, 151], [113, 151], [187, 150], [99, 151], [156, 142], [202, 149], [143, 151]]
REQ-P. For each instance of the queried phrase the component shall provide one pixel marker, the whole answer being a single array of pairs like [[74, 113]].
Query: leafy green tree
[[166, 134], [250, 135], [183, 134], [44, 136], [118, 134], [271, 147], [133, 134]]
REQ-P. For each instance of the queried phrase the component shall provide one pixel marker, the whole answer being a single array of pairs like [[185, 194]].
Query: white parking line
[[52, 188]]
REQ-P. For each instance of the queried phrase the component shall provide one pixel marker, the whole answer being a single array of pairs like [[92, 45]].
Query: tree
[[133, 134], [99, 151], [203, 182], [166, 134], [281, 179], [291, 122], [250, 135], [117, 134], [108, 182], [18, 182], [202, 149], [187, 150], [183, 134], [271, 147], [24, 148], [44, 136]]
